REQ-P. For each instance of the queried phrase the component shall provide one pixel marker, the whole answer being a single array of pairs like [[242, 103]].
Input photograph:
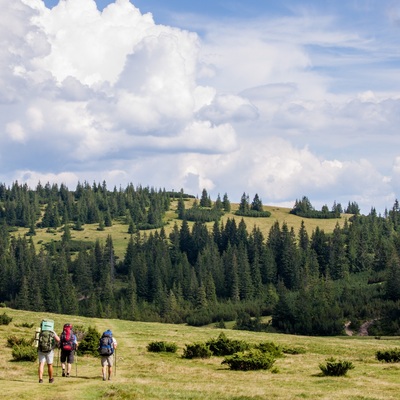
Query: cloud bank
[[112, 95]]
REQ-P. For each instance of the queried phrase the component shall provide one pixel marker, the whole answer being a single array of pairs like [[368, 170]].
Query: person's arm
[[115, 343], [56, 337]]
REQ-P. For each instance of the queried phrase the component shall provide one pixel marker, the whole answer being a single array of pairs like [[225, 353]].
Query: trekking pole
[[115, 356], [58, 357], [76, 363]]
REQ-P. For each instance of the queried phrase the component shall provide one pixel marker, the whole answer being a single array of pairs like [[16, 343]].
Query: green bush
[[16, 341], [335, 368], [5, 319], [162, 347], [389, 356], [250, 360], [196, 350], [25, 325], [89, 343], [24, 353], [270, 347], [222, 346], [294, 350]]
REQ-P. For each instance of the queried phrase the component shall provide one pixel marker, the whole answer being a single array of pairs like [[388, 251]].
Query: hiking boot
[[40, 380], [67, 375], [63, 372], [51, 380], [104, 378]]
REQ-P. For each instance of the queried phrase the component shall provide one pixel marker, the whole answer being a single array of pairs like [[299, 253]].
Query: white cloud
[[279, 106]]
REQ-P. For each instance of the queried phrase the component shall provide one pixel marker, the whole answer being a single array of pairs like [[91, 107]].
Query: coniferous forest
[[203, 271]]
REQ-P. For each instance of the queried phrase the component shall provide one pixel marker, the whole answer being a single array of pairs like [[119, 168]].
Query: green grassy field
[[144, 375], [120, 236]]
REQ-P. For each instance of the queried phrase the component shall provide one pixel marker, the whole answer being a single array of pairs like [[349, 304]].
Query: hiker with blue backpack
[[46, 343], [68, 345], [107, 350]]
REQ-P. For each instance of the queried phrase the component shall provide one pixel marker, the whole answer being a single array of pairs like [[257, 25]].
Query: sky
[[281, 99]]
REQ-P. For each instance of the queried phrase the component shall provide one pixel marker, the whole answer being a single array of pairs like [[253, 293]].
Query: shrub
[[335, 368], [25, 325], [389, 356], [162, 347], [3, 305], [5, 319], [15, 341], [24, 353], [222, 346], [294, 350], [196, 350], [90, 342], [270, 347], [249, 360]]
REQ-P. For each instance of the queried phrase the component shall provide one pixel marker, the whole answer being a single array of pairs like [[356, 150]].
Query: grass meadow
[[140, 374]]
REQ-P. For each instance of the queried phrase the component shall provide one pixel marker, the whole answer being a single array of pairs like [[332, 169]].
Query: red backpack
[[67, 338]]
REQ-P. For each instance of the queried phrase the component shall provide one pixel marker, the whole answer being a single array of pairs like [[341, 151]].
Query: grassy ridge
[[144, 375], [120, 236]]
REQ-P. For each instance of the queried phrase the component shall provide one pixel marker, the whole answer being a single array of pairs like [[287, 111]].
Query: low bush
[[388, 356], [89, 343], [293, 350], [222, 346], [250, 360], [162, 347], [16, 341], [24, 353], [5, 319], [335, 368], [196, 350], [25, 325], [270, 347]]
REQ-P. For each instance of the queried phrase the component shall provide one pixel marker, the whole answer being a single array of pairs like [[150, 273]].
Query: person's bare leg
[[50, 369], [40, 370], [104, 372]]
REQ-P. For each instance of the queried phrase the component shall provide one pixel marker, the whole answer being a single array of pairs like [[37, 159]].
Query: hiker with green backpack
[[46, 344]]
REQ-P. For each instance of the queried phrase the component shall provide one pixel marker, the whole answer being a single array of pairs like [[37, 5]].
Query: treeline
[[303, 208], [310, 284]]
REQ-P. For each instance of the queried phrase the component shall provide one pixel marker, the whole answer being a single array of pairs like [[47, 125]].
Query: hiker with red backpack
[[68, 345], [107, 349]]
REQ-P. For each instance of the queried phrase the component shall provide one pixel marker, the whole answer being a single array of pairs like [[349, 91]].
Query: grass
[[120, 235], [144, 375]]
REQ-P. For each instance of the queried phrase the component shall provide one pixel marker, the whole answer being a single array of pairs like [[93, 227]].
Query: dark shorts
[[67, 356]]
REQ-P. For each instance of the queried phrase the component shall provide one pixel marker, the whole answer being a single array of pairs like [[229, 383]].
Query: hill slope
[[144, 375], [120, 236]]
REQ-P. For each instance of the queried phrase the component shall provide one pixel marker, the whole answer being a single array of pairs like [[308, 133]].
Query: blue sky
[[279, 98]]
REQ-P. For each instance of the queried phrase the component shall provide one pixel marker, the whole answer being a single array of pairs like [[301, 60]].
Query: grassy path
[[153, 376]]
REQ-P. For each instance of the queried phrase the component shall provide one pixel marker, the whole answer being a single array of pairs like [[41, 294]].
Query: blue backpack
[[106, 347]]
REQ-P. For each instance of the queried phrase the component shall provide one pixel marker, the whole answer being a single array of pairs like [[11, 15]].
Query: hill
[[142, 375], [120, 236]]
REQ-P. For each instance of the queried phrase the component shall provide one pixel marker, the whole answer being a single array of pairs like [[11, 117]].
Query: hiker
[[68, 345], [47, 342], [107, 347]]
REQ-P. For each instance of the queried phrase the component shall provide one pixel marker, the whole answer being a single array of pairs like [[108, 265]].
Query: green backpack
[[46, 341]]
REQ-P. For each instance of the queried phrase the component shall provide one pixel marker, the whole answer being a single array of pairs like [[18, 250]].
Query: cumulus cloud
[[112, 95]]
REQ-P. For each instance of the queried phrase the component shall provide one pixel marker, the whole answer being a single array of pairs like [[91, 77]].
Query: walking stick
[[115, 356], [76, 363], [58, 357]]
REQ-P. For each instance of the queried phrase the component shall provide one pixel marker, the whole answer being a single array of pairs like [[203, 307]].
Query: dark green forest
[[310, 284]]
